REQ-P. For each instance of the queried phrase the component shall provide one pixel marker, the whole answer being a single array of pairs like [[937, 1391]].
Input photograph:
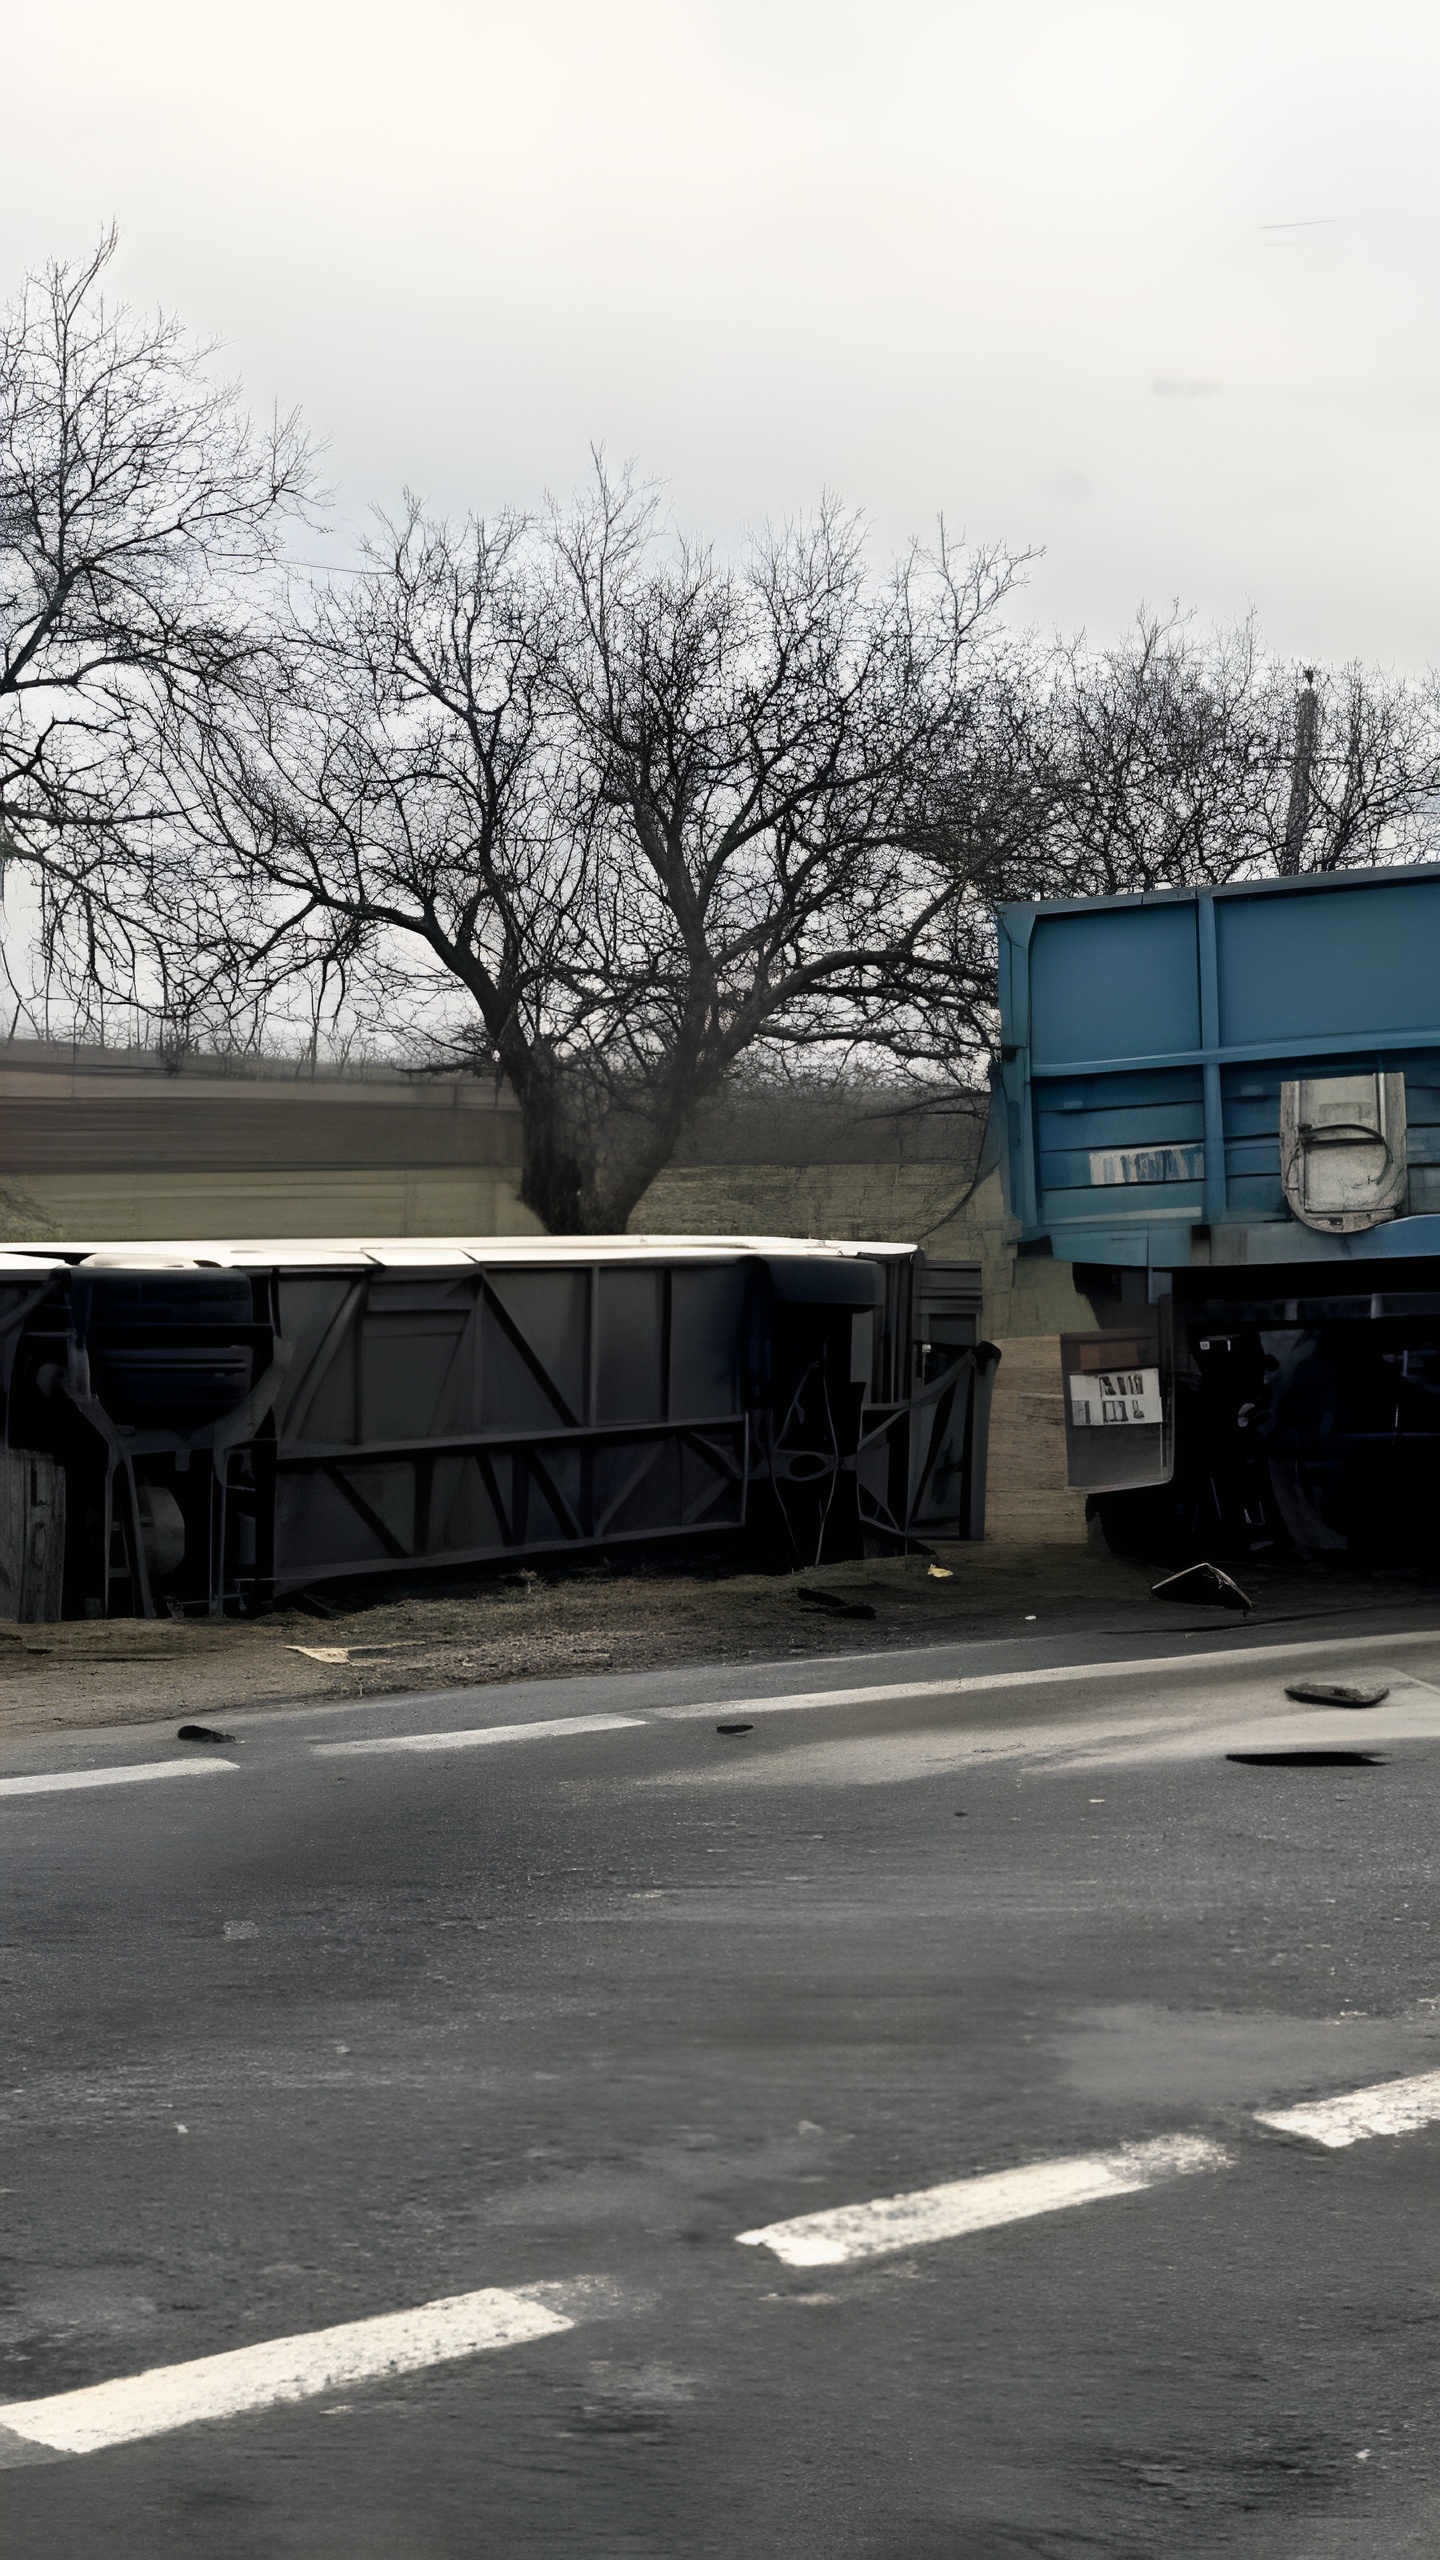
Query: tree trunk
[[587, 1158], [554, 1161]]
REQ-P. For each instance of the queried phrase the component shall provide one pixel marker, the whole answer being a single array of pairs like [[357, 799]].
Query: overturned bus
[[1222, 1107], [202, 1428]]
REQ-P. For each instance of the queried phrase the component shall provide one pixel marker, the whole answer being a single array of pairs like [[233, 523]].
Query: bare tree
[[1181, 757], [139, 515], [574, 800], [639, 808], [1152, 761]]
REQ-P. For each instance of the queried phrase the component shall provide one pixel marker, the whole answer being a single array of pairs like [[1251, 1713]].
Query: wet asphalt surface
[[592, 2006]]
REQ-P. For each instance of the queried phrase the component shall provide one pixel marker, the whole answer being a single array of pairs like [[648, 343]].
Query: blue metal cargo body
[[1146, 1042], [1222, 1106]]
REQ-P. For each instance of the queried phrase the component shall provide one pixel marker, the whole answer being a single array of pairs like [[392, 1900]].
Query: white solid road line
[[1051, 1676], [282, 2369], [60, 1781], [981, 2204], [962, 1684], [800, 1699], [1392, 2106], [550, 1729]]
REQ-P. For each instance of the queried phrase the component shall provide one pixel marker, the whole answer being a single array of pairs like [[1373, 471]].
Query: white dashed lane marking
[[285, 2369], [1392, 2106], [983, 2203], [304, 2367], [60, 1781]]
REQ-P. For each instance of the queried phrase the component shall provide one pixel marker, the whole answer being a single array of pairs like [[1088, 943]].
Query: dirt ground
[[585, 1618]]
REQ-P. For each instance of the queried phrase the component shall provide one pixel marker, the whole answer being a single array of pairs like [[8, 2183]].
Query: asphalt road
[[327, 2034]]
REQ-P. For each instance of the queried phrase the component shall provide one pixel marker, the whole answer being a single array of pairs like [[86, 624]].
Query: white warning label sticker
[[1147, 1164], [1116, 1396]]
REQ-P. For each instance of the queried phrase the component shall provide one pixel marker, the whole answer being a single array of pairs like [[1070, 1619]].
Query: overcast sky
[[1150, 284]]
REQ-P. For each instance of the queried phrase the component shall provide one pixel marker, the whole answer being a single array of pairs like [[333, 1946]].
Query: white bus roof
[[405, 1253]]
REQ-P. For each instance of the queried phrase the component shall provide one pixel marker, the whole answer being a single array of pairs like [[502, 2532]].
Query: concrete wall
[[383, 1200], [850, 1202], [103, 1145], [1024, 1293], [1027, 1501], [901, 1203]]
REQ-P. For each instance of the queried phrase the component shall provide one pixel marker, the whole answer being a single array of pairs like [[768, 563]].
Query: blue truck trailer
[[1221, 1106]]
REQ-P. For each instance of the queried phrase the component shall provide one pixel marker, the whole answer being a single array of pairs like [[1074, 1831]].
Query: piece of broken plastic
[[1207, 1585], [1336, 1693]]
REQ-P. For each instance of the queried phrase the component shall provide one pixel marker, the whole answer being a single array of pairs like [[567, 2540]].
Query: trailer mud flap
[[1119, 1393]]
